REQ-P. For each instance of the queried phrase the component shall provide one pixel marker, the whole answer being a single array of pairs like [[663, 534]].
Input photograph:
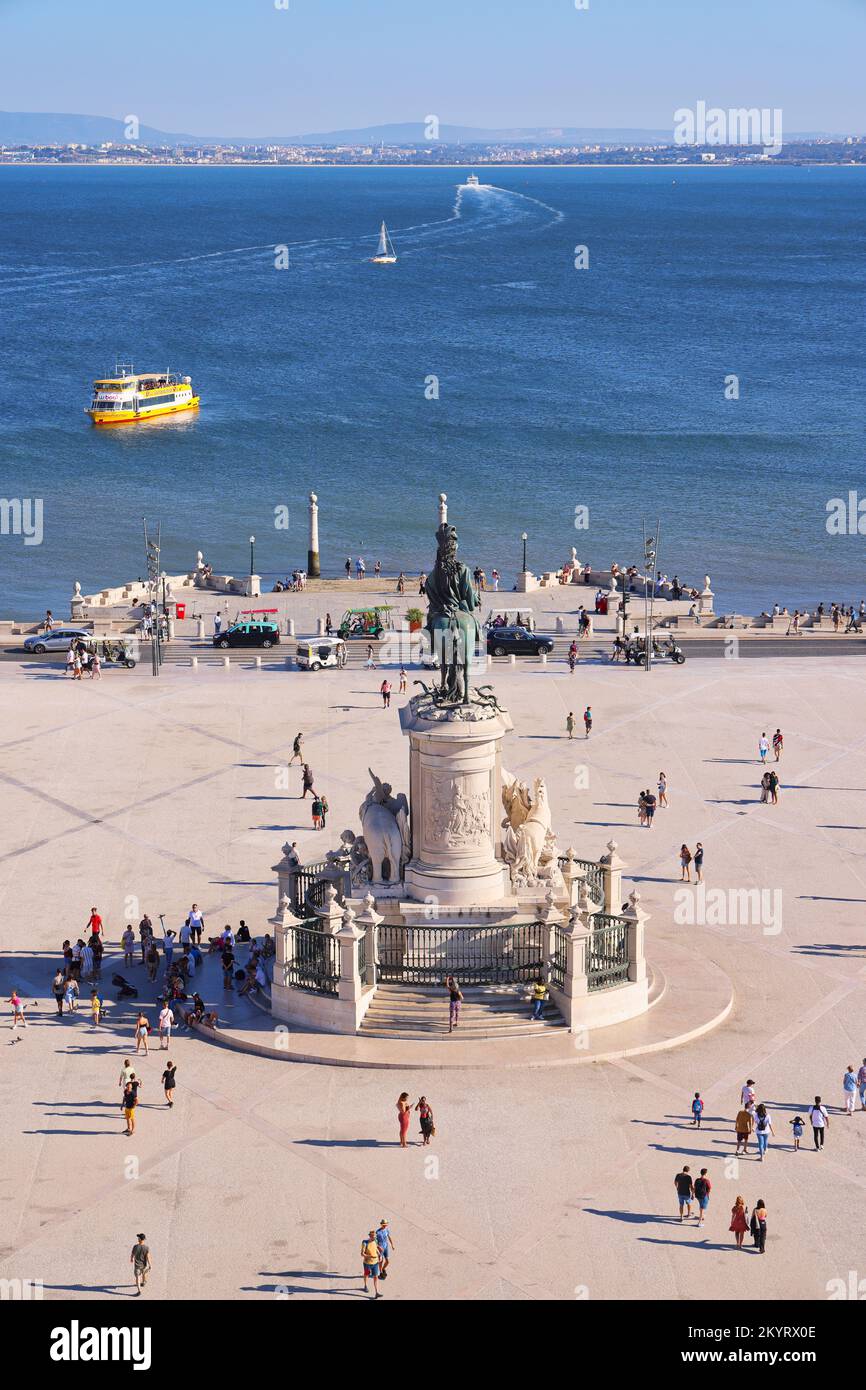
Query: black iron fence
[[594, 874], [559, 959], [608, 951], [476, 955], [309, 884], [312, 959]]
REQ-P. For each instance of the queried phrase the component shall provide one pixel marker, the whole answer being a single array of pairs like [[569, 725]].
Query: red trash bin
[[180, 610]]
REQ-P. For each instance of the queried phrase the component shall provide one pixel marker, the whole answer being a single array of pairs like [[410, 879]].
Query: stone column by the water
[[313, 552], [443, 508]]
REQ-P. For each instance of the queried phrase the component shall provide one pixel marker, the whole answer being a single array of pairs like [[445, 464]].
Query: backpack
[[700, 1187]]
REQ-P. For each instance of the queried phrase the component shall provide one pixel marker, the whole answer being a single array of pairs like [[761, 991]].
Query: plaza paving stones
[[542, 1181]]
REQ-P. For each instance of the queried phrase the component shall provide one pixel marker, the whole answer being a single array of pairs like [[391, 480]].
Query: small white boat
[[385, 254], [472, 181]]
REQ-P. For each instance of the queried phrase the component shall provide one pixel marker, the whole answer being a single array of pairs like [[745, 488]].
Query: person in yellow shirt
[[95, 1007], [539, 994], [370, 1257]]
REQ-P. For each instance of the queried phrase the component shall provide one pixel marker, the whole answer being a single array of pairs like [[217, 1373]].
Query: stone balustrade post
[[348, 935], [368, 919], [549, 917], [331, 913], [612, 867], [636, 919], [287, 874], [572, 874], [577, 956]]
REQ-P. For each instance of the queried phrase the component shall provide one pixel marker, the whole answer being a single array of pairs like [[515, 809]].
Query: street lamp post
[[524, 538], [252, 555]]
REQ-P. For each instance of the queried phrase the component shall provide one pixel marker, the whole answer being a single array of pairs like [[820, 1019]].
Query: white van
[[317, 652]]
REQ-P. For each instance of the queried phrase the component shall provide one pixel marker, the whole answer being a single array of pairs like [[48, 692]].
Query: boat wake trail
[[479, 210]]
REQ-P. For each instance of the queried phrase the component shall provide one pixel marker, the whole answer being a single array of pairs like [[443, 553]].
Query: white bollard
[[195, 663], [201, 627], [320, 626], [226, 663], [489, 661], [258, 663], [560, 625], [513, 659], [290, 627], [544, 658]]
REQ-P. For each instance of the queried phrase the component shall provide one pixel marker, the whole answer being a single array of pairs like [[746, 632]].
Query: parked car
[[503, 641], [248, 635], [317, 652], [57, 640]]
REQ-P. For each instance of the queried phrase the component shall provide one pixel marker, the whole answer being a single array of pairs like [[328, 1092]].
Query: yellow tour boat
[[130, 397]]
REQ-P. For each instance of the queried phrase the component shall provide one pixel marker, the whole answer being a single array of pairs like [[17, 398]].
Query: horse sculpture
[[451, 618], [385, 823], [526, 843]]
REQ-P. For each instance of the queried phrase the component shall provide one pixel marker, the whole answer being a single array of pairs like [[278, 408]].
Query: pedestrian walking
[[703, 1188], [861, 1084], [95, 667], [127, 941], [404, 685], [370, 664], [685, 1190], [743, 1126], [140, 1261], [130, 1102], [649, 809], [196, 923], [385, 1242], [747, 1093], [166, 1023], [641, 808], [569, 724], [663, 789], [169, 1082], [58, 989], [758, 1225], [296, 749], [127, 1074], [539, 995], [763, 748], [425, 1119], [385, 692], [849, 1090], [587, 720], [71, 995], [455, 999], [142, 1028], [95, 1008], [820, 1122], [739, 1221], [307, 774], [697, 1109], [699, 862], [685, 864], [763, 1130], [797, 1128], [17, 1010], [370, 1258], [778, 744], [316, 810], [404, 1114]]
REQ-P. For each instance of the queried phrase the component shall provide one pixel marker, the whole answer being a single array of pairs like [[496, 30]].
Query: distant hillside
[[53, 128]]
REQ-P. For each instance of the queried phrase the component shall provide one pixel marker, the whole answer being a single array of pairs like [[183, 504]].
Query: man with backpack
[[703, 1188]]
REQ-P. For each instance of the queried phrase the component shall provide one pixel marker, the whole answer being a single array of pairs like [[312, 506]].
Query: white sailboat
[[385, 254]]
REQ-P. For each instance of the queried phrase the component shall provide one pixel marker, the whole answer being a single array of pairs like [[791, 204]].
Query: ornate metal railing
[[312, 959], [559, 960], [608, 951], [362, 957], [476, 955], [594, 875], [309, 885]]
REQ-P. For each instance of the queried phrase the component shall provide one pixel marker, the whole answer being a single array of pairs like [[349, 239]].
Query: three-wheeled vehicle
[[114, 651], [315, 652], [366, 623], [635, 651]]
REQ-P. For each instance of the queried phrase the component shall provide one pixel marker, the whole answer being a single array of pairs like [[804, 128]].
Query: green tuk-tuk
[[366, 623]]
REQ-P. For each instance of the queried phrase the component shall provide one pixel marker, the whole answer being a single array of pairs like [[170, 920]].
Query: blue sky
[[244, 67]]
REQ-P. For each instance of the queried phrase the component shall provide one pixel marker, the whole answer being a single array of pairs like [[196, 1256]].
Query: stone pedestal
[[705, 602], [456, 799]]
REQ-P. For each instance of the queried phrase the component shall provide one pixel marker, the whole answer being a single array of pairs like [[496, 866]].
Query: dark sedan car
[[502, 641], [248, 635]]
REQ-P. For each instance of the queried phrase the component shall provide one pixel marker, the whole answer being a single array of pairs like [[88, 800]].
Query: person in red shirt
[[95, 923]]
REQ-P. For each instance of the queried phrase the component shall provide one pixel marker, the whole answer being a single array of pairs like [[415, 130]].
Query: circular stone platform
[[689, 996]]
